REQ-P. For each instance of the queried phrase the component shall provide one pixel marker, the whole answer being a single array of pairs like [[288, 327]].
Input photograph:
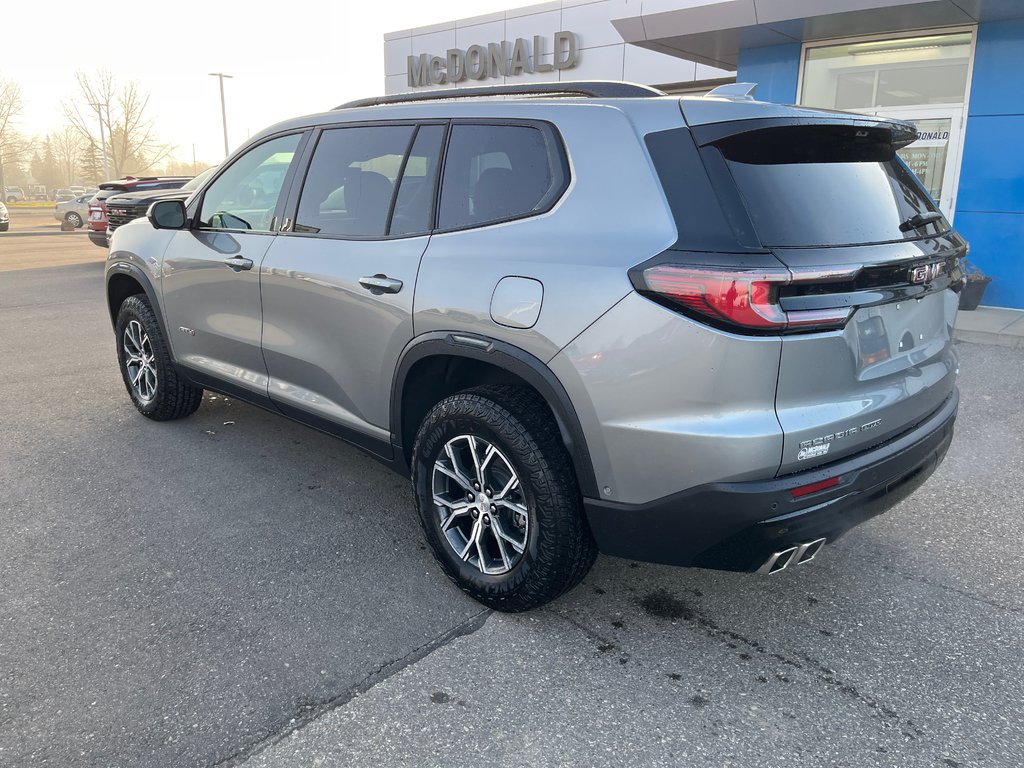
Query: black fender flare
[[139, 275], [514, 360]]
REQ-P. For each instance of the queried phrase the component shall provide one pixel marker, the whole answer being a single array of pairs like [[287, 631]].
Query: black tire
[[172, 397], [559, 548], [74, 219]]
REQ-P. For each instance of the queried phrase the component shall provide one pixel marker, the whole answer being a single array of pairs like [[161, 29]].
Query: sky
[[287, 59]]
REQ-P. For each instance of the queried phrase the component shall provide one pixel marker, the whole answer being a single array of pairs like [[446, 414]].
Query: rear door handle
[[381, 284], [238, 264]]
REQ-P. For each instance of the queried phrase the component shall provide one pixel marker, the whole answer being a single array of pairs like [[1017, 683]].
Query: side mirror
[[167, 214]]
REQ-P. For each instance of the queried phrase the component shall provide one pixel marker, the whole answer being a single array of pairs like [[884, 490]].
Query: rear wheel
[[74, 219], [149, 375], [498, 498]]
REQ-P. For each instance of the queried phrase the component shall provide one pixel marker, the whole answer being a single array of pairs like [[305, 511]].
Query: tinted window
[[814, 185], [414, 206], [351, 181], [245, 195], [495, 172]]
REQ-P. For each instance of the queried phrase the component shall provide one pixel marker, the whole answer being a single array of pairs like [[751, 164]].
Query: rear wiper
[[918, 220]]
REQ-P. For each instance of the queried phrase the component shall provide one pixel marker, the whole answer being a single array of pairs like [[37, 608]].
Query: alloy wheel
[[481, 509], [140, 361]]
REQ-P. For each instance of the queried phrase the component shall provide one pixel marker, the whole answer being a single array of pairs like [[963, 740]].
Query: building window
[[931, 69]]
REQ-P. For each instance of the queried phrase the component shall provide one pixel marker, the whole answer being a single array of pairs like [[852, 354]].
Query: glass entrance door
[[935, 157]]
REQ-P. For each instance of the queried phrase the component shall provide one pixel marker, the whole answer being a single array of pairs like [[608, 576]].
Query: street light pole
[[103, 139], [223, 111]]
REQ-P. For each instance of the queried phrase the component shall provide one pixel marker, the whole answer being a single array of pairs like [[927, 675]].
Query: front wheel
[[498, 498], [153, 384]]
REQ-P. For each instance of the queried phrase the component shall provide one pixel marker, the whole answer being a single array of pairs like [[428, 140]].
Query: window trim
[[291, 208], [555, 146], [196, 207]]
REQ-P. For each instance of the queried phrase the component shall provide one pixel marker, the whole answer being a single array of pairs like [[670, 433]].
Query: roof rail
[[601, 89]]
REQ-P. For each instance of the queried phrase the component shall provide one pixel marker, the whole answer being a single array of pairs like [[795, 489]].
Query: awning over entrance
[[713, 31]]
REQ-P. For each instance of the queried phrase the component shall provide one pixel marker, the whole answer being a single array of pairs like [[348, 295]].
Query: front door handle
[[381, 284], [238, 264]]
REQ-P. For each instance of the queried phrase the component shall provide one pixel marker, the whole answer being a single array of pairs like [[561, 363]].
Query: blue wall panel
[[990, 199], [774, 69], [998, 66], [995, 240], [992, 172]]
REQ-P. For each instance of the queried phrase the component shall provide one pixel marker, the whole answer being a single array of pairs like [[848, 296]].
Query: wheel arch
[[124, 280], [438, 364]]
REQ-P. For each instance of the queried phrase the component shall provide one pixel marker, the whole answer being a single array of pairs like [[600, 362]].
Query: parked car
[[63, 195], [98, 204], [77, 191], [74, 212], [14, 195], [5, 218], [122, 208], [37, 193], [721, 345]]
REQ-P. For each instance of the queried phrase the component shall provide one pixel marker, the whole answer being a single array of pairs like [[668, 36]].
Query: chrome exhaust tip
[[798, 555], [778, 561], [808, 551]]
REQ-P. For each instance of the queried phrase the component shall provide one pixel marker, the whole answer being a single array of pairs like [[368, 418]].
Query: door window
[[414, 205], [498, 172], [351, 181], [926, 157], [245, 196]]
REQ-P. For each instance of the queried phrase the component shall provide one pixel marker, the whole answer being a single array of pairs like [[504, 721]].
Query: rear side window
[[414, 205], [351, 181], [498, 172], [825, 185]]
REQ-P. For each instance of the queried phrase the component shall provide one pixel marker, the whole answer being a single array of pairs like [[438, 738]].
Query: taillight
[[745, 298]]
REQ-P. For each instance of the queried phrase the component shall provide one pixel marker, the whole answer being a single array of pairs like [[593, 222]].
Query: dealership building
[[955, 68]]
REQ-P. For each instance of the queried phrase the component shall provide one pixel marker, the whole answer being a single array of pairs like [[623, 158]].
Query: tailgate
[[866, 247], [844, 392]]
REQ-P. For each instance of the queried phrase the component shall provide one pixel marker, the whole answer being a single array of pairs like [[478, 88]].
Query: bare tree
[[132, 146], [10, 108], [67, 145]]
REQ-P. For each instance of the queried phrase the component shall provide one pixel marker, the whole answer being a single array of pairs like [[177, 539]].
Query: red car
[[98, 204]]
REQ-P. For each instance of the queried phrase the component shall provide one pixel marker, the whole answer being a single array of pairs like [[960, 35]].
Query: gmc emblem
[[927, 272]]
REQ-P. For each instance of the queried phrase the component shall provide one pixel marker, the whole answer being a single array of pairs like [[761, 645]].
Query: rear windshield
[[826, 185]]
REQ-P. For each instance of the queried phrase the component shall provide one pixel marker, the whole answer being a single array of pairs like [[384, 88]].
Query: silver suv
[[708, 331]]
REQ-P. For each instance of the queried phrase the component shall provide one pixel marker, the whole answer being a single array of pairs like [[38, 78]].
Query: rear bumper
[[99, 238], [737, 526]]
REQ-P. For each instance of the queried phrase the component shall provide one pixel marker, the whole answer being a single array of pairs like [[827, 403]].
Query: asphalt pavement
[[236, 589]]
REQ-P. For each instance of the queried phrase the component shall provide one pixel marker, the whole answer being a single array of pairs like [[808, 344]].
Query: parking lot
[[236, 589]]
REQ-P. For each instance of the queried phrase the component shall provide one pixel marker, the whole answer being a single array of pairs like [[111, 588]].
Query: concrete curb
[[43, 234], [991, 325]]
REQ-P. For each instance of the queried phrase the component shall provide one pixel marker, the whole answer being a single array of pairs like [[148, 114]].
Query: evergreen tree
[[90, 166]]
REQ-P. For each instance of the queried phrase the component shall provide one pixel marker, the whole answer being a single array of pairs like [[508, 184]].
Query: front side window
[[245, 196], [497, 172], [351, 181]]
